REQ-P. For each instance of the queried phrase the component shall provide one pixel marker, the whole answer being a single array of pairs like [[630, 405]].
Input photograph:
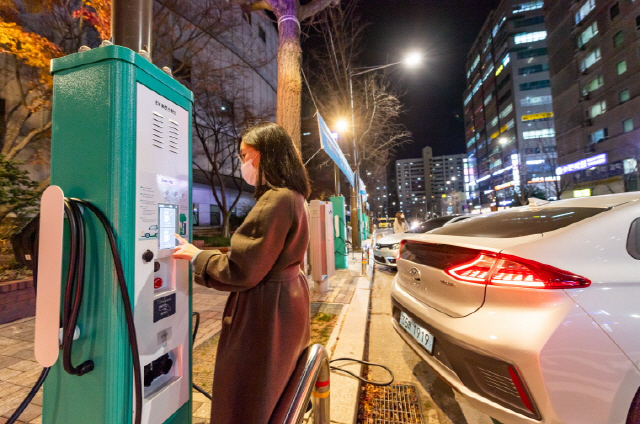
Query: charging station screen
[[167, 225]]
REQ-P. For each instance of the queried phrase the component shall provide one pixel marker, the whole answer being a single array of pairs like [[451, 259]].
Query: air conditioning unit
[[587, 122], [321, 249]]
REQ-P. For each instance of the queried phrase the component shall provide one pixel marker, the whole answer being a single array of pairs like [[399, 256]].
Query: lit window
[[488, 98], [598, 136], [593, 85], [529, 37], [624, 96], [585, 9], [597, 109], [593, 57], [545, 132], [587, 34], [627, 125], [621, 67], [530, 5], [507, 110], [535, 101]]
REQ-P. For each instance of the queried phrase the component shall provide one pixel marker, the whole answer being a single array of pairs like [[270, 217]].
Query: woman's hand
[[186, 250]]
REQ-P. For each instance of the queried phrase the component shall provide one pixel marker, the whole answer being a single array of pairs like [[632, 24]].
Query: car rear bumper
[[473, 355]]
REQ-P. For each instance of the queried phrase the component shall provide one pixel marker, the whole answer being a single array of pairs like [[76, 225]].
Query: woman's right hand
[[186, 250]]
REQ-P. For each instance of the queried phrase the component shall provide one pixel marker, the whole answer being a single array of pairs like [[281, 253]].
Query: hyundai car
[[531, 313]]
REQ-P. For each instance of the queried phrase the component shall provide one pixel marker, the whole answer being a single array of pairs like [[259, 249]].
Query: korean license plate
[[420, 334]]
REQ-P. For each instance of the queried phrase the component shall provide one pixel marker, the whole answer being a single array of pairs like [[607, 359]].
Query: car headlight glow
[[395, 246]]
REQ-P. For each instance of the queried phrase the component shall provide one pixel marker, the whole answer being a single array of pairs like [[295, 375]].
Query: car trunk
[[422, 265]]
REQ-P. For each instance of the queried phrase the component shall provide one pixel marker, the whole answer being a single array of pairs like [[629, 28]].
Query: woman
[[400, 224], [265, 324]]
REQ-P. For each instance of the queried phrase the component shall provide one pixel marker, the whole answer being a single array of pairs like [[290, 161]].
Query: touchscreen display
[[167, 225]]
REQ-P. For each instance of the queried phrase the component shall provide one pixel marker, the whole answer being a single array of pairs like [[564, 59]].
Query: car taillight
[[398, 252], [508, 270], [475, 271]]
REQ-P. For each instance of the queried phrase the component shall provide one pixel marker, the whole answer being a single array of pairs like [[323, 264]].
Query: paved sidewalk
[[19, 370]]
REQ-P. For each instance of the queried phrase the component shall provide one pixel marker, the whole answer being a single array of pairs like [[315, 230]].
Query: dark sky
[[444, 30]]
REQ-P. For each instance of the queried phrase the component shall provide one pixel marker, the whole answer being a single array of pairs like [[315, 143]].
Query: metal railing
[[309, 379]]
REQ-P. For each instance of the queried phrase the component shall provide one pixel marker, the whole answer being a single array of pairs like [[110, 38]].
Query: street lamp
[[411, 60], [342, 125]]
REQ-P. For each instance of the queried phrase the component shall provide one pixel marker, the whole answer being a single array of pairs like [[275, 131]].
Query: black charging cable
[[73, 299], [193, 339], [364, 380]]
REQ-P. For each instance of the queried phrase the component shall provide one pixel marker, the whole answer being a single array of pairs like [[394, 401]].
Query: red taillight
[[508, 270], [475, 271], [398, 252]]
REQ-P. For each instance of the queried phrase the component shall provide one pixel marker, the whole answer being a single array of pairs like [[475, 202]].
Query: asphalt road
[[440, 404]]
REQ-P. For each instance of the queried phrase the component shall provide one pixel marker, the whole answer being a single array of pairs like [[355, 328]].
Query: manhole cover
[[396, 404]]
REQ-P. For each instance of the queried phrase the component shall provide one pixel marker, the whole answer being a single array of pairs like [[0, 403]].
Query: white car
[[532, 313], [385, 250]]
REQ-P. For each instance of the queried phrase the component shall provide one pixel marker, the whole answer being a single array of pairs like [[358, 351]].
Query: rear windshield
[[518, 222]]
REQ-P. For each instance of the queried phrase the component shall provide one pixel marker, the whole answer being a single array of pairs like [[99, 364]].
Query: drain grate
[[396, 404]]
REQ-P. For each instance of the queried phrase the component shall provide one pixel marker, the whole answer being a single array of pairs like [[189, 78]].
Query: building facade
[[410, 182], [594, 62], [445, 182], [509, 121]]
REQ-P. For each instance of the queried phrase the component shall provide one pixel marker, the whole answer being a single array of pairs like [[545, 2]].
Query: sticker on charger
[[164, 307], [164, 336]]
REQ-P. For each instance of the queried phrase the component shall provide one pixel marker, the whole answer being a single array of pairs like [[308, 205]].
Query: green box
[[93, 157]]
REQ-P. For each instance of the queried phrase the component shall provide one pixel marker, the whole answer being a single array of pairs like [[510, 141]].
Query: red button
[[157, 283]]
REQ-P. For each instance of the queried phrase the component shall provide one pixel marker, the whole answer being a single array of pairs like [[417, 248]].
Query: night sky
[[444, 30]]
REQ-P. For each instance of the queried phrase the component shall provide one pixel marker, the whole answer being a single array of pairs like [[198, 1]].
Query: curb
[[345, 390]]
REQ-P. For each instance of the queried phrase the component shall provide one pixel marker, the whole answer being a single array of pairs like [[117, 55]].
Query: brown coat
[[266, 318]]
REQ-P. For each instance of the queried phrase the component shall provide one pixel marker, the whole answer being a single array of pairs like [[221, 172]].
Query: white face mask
[[249, 172]]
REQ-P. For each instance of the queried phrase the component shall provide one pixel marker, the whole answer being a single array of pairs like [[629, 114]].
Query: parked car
[[458, 219], [531, 313], [385, 222], [385, 250]]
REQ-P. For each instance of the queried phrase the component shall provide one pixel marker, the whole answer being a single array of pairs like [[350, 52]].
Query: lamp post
[[411, 59]]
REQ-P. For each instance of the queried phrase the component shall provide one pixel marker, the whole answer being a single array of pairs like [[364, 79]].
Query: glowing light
[[413, 59], [342, 125]]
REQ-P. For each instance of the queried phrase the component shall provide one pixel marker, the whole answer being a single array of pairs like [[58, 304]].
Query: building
[[509, 124], [594, 62], [444, 182], [410, 180], [379, 197]]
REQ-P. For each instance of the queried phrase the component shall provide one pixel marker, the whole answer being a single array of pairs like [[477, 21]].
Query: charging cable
[[73, 299]]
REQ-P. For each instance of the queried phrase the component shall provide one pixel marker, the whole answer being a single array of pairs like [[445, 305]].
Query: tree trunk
[[226, 230], [289, 106]]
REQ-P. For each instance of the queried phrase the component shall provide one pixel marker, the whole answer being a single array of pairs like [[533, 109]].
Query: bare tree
[[377, 107], [192, 38]]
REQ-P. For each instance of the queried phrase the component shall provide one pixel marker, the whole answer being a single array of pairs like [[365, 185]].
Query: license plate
[[420, 334]]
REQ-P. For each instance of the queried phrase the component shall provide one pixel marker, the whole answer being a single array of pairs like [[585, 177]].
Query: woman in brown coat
[[265, 326]]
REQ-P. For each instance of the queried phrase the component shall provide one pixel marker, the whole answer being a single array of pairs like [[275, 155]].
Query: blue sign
[[587, 163], [330, 145]]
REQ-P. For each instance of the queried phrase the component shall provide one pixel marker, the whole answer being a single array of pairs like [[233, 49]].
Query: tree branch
[[308, 10]]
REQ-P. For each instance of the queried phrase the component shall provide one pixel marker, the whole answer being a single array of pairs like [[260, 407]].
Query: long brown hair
[[399, 218], [280, 161]]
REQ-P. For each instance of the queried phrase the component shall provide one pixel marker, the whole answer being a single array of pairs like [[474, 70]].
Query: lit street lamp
[[411, 60]]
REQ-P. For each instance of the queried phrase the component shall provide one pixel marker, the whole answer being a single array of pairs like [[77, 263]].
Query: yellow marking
[[321, 395]]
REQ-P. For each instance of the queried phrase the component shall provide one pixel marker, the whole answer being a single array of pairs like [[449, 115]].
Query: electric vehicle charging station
[[121, 140]]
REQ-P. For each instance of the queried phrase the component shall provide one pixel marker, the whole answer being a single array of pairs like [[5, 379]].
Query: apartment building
[[509, 121], [594, 62], [410, 180], [444, 182]]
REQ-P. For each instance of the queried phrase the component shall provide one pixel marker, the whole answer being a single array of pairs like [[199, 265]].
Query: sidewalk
[[19, 370]]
